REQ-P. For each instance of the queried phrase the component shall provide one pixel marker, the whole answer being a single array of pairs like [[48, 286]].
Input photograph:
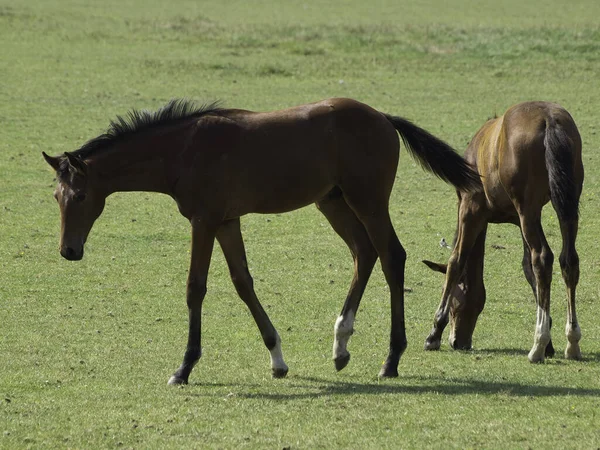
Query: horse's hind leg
[[351, 230], [371, 209], [569, 264], [230, 240], [393, 259], [529, 275], [541, 262]]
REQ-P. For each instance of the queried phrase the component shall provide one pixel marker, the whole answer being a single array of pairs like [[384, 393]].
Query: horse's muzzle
[[71, 254], [461, 344]]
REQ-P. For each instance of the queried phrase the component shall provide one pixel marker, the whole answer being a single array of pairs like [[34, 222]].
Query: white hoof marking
[[541, 336], [343, 329], [573, 333], [174, 381], [537, 354]]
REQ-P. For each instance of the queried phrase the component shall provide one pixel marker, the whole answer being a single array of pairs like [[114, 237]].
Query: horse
[[529, 156], [219, 164]]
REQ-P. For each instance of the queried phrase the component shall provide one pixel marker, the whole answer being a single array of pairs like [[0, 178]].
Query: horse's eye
[[79, 197]]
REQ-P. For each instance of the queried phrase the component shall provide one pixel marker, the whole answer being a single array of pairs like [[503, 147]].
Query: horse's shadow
[[500, 351], [315, 387], [432, 385]]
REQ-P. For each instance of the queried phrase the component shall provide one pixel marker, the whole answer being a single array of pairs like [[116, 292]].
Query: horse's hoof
[[388, 372], [549, 352], [176, 381], [573, 352], [536, 361], [573, 357], [279, 373], [341, 361], [535, 356], [432, 344]]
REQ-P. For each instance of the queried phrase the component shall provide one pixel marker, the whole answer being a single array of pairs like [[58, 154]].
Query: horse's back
[[310, 112], [282, 160], [344, 133]]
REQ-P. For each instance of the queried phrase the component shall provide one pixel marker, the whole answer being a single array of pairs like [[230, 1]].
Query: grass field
[[86, 348]]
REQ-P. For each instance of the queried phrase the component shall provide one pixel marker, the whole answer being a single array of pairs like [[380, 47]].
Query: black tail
[[561, 177], [436, 156]]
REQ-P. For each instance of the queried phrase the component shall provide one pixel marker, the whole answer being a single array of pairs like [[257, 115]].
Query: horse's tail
[[560, 150], [436, 156]]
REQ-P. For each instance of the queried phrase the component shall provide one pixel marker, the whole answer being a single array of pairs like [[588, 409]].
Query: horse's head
[[466, 303], [80, 204]]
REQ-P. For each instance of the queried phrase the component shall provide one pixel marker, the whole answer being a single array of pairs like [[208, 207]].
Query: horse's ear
[[53, 161], [76, 163], [436, 266]]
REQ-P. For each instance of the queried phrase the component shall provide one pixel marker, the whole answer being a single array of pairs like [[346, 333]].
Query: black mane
[[136, 121]]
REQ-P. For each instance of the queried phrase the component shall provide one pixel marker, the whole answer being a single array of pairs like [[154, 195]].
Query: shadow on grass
[[500, 351], [592, 356], [314, 387], [426, 385]]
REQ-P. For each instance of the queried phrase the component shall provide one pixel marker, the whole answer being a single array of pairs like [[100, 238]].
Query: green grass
[[87, 348]]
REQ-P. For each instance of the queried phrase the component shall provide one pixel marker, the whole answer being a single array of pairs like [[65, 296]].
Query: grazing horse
[[220, 164], [527, 157]]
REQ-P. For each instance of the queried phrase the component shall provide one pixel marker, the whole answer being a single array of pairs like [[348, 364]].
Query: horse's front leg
[[232, 244], [471, 222], [203, 237]]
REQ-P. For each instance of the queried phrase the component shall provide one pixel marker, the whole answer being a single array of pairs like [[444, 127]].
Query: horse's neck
[[133, 168]]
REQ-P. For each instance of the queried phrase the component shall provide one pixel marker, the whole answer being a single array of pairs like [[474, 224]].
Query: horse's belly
[[499, 203], [289, 196]]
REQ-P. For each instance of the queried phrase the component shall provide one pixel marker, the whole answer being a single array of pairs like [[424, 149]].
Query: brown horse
[[219, 164], [527, 157]]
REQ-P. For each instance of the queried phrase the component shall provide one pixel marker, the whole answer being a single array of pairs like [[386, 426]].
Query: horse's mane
[[135, 121]]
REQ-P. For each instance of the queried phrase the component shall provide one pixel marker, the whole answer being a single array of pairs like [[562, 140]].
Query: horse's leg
[[232, 244], [471, 224], [541, 262], [569, 264], [527, 268], [351, 230], [203, 237], [528, 271], [467, 303], [371, 208], [393, 258]]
